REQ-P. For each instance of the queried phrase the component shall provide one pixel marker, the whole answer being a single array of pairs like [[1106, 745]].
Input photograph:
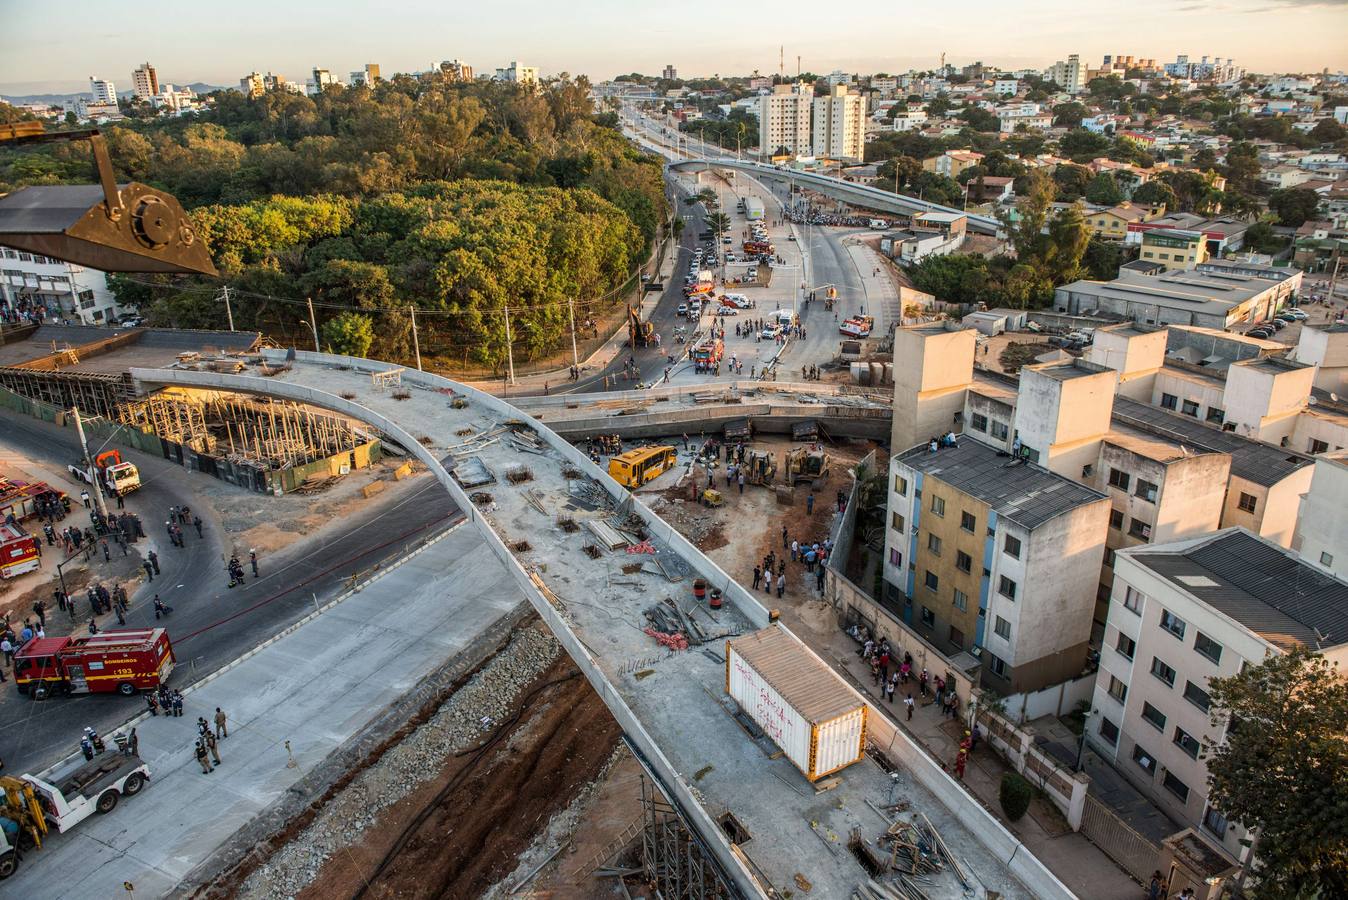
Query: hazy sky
[[55, 46]]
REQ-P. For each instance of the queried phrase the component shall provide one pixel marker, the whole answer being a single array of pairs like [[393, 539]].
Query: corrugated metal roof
[[812, 688], [1252, 460], [1015, 489], [1259, 584]]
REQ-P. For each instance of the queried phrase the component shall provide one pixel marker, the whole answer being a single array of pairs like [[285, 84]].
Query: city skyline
[[55, 51]]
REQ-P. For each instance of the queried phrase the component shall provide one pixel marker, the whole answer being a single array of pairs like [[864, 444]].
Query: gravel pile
[[461, 722]]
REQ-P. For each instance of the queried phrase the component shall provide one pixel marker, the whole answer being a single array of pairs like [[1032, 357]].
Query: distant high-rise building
[[784, 118], [839, 123], [671, 73], [1069, 75], [457, 69], [252, 85], [518, 74], [322, 78], [104, 91], [145, 82], [368, 76]]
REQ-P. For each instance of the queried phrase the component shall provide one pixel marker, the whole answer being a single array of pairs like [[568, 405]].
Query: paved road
[[211, 625]]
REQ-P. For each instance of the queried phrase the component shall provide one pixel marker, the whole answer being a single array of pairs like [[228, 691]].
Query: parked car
[[683, 309], [1261, 333], [768, 333], [1278, 324], [726, 311]]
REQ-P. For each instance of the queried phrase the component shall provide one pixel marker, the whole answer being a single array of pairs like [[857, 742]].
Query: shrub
[[1015, 795]]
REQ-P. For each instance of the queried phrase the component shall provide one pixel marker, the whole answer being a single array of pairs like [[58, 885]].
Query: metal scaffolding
[[672, 857]]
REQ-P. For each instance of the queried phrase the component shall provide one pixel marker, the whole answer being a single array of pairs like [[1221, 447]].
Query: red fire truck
[[22, 499], [122, 661], [19, 551]]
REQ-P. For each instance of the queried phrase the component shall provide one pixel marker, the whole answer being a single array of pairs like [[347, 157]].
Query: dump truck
[[117, 477], [125, 661], [804, 464]]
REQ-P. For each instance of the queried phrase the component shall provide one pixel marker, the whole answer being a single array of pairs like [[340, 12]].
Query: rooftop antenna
[[798, 67]]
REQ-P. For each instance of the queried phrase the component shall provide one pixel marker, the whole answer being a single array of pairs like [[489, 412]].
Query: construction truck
[[639, 333], [31, 806], [118, 478], [760, 466], [804, 464]]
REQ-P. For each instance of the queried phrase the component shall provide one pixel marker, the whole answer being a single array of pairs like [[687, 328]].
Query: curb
[[289, 629]]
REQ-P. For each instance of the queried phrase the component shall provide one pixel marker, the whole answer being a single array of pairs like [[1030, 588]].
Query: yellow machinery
[[760, 467], [19, 804], [712, 497], [804, 464], [636, 467]]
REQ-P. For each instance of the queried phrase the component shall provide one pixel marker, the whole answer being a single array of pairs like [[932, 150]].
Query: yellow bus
[[636, 467]]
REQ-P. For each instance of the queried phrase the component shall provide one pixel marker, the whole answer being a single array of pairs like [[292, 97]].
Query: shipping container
[[800, 703]]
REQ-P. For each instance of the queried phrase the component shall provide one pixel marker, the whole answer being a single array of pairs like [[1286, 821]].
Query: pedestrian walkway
[[882, 299], [289, 705]]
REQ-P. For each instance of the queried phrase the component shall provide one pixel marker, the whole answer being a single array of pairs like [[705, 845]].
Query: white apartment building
[[252, 85], [368, 76], [104, 91], [175, 100], [838, 76], [784, 118], [55, 290], [1322, 527], [839, 124], [1069, 74], [1006, 87], [319, 80], [1180, 615], [145, 82], [886, 85], [909, 119], [1008, 121], [518, 74]]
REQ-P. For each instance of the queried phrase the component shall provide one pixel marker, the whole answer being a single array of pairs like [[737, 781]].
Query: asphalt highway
[[211, 624]]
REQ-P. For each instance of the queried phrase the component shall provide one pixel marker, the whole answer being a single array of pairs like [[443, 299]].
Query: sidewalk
[[312, 690], [882, 300]]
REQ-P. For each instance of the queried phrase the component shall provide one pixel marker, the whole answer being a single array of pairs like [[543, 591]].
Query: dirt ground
[[491, 807]]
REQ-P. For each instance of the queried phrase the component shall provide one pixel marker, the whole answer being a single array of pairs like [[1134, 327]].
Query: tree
[[1032, 207], [906, 168], [980, 119], [1155, 192], [1103, 258], [1071, 181], [1261, 238], [1083, 146], [1068, 237], [1327, 131], [1104, 189], [1280, 772], [955, 277], [1069, 115], [1294, 205], [348, 334]]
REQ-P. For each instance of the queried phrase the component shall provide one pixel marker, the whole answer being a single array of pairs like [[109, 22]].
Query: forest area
[[465, 201]]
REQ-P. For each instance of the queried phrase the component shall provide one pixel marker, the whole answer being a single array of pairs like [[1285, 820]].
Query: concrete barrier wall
[[710, 420], [675, 786]]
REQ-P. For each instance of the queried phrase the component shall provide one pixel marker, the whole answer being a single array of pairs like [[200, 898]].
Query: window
[[938, 506], [1109, 731], [1197, 696], [1144, 759], [1169, 401], [1214, 821], [1155, 718], [1326, 558], [1126, 645], [1146, 490], [928, 617], [1116, 519], [1139, 529], [1216, 415], [996, 665], [1190, 408], [1006, 587], [1248, 502], [956, 637], [998, 430], [1003, 629], [1187, 742], [934, 544], [1175, 786], [898, 523], [1117, 689], [1172, 623], [1208, 647], [1011, 546], [900, 485], [968, 522], [1109, 557], [895, 558], [979, 422], [963, 561], [961, 600], [1317, 446], [1162, 671], [1133, 599], [932, 581], [1119, 479]]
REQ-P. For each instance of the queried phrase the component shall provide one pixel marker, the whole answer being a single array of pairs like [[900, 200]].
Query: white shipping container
[[799, 702]]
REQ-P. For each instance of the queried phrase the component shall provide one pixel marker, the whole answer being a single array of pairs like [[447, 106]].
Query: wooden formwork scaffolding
[[95, 393]]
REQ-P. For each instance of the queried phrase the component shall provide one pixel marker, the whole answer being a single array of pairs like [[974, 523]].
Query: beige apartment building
[[1322, 527], [784, 118], [1181, 614], [839, 129]]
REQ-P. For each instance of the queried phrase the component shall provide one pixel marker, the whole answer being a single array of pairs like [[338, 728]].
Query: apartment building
[[1322, 526], [103, 91], [252, 85], [1326, 348], [457, 70], [518, 74], [145, 82], [1180, 615], [995, 552], [952, 162], [933, 369], [320, 80], [1009, 121], [54, 290], [367, 76], [784, 119], [1195, 297], [1112, 223], [1069, 74], [839, 127], [1174, 249]]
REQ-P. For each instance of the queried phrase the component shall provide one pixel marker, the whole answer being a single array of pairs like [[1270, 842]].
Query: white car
[[683, 309], [740, 301], [768, 333], [726, 311]]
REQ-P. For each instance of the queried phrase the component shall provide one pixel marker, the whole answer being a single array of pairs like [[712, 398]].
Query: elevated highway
[[526, 489]]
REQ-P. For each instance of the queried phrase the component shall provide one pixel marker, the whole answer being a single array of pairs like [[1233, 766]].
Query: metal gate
[[1137, 855]]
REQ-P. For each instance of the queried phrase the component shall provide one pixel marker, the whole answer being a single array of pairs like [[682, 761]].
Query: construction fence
[[1134, 853]]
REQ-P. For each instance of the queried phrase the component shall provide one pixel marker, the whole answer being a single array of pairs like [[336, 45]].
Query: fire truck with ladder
[[125, 661]]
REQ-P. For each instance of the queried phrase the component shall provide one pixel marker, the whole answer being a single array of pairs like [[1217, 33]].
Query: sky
[[56, 46]]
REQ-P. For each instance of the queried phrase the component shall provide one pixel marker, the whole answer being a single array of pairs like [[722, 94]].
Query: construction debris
[[605, 534], [592, 551], [481, 498], [471, 473], [567, 524], [519, 474]]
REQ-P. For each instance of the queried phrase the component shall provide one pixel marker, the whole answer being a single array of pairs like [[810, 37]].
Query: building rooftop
[[1191, 291], [1264, 587], [1015, 489], [1252, 460], [148, 347]]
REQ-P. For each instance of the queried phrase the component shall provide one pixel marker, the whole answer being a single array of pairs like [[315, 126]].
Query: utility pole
[[1334, 280], [229, 312], [510, 350], [575, 355], [313, 323], [416, 343], [89, 464]]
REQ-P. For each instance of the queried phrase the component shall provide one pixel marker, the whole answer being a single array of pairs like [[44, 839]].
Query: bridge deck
[[675, 697]]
